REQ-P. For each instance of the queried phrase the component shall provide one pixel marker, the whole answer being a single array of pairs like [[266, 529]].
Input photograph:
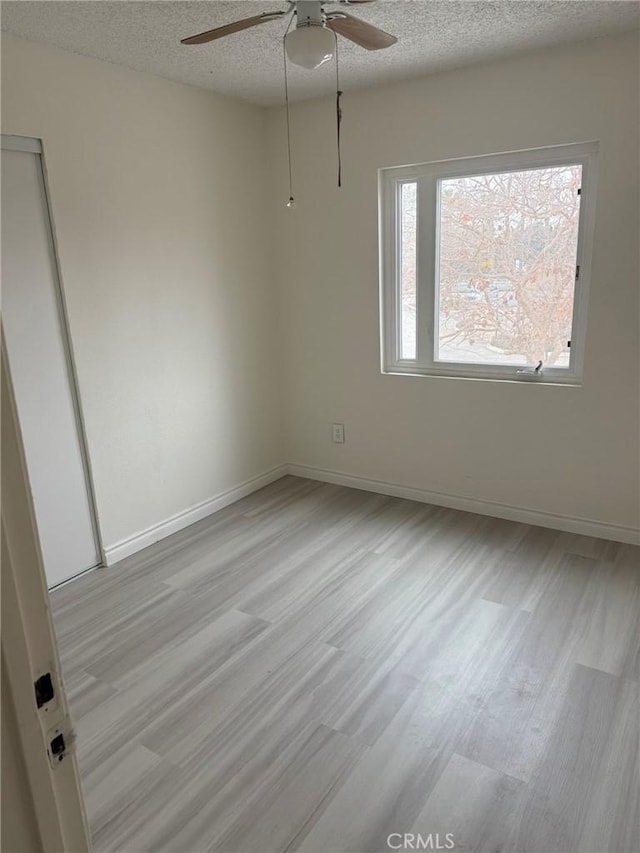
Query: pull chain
[[338, 113], [291, 202]]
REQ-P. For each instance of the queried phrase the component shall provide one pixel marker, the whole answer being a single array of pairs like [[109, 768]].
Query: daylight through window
[[485, 269]]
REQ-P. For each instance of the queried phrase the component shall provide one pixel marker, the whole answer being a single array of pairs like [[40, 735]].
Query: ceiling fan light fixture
[[310, 45]]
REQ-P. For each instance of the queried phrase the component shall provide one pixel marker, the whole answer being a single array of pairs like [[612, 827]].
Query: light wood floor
[[315, 668]]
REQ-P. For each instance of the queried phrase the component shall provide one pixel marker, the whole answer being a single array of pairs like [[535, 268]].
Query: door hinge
[[579, 190], [577, 272]]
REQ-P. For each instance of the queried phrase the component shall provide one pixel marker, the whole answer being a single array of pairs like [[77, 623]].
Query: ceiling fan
[[313, 40]]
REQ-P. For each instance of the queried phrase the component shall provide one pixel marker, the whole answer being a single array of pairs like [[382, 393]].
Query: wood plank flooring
[[315, 668]]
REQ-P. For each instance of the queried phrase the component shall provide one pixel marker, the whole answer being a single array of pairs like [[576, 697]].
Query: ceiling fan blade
[[235, 27], [362, 33]]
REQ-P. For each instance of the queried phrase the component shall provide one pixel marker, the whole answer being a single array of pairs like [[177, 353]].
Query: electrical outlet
[[338, 433]]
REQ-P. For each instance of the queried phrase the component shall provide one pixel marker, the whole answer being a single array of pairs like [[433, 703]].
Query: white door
[[42, 804], [35, 337]]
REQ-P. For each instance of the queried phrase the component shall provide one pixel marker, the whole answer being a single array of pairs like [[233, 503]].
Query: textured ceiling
[[432, 35]]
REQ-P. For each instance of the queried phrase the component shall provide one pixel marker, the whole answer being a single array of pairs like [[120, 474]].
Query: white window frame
[[428, 177]]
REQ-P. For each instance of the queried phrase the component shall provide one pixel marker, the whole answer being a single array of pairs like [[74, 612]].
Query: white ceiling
[[432, 35]]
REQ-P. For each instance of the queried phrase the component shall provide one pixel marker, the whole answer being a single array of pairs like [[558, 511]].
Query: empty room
[[320, 426]]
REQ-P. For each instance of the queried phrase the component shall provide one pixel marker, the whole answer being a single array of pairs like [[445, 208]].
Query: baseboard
[[569, 524], [587, 527], [133, 544]]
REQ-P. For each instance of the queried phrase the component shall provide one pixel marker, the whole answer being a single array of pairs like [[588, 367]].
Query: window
[[485, 265]]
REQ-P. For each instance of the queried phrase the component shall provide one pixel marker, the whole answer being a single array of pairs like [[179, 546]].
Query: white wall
[[159, 204], [164, 225], [568, 451]]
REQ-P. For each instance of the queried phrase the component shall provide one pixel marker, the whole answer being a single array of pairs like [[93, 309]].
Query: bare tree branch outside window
[[508, 245], [408, 202]]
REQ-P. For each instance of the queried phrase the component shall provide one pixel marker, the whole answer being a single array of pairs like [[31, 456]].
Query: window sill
[[513, 378]]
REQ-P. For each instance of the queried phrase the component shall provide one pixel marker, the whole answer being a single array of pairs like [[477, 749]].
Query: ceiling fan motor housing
[[309, 14]]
